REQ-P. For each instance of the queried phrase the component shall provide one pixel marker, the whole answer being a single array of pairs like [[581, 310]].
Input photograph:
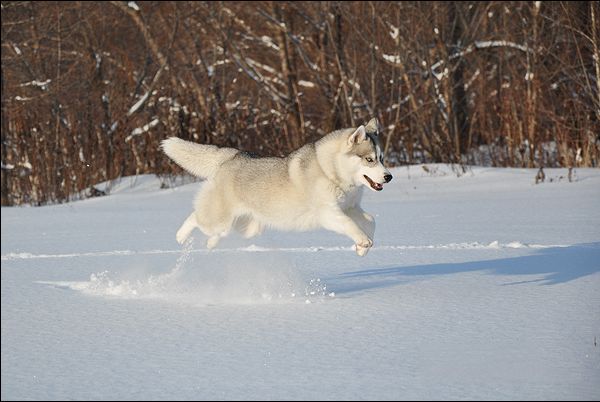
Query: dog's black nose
[[387, 178]]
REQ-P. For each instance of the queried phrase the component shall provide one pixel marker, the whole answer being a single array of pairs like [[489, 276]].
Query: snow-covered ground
[[480, 287]]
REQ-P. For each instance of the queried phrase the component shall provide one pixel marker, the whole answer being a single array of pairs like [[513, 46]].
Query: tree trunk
[[460, 111]]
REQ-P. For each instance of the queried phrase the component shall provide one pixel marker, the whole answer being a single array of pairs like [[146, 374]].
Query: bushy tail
[[198, 159]]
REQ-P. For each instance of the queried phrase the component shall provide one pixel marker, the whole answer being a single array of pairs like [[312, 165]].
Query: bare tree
[[90, 88]]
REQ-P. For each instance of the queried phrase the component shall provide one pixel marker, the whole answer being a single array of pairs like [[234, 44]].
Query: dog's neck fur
[[330, 166]]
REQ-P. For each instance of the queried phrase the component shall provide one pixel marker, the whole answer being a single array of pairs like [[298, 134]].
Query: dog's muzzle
[[374, 186]]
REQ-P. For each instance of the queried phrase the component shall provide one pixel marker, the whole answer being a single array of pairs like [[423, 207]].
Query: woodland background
[[90, 88]]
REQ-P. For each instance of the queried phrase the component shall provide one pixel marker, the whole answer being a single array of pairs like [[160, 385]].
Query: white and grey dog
[[317, 186]]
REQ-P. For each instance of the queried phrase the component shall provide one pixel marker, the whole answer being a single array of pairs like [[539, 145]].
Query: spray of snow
[[258, 281]]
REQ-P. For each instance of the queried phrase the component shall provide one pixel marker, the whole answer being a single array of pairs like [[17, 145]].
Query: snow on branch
[[396, 59], [138, 104], [133, 4], [478, 45], [251, 72], [43, 85], [143, 129]]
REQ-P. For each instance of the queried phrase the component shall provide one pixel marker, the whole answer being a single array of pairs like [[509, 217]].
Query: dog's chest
[[349, 198]]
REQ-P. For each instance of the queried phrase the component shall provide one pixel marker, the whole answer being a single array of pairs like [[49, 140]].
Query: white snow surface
[[484, 286]]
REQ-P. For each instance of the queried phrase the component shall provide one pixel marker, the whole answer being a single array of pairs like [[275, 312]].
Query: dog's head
[[367, 159]]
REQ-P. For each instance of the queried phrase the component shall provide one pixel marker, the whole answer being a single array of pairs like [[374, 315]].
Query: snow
[[394, 32], [392, 58], [143, 129], [484, 286], [307, 84], [269, 42], [138, 104], [37, 83], [469, 49], [132, 4]]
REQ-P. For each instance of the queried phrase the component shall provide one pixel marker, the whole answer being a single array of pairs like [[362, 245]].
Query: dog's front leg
[[341, 223], [366, 222], [363, 219]]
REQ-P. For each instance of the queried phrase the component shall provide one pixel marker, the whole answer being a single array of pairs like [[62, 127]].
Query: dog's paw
[[181, 237], [212, 242], [363, 247], [361, 251], [365, 243]]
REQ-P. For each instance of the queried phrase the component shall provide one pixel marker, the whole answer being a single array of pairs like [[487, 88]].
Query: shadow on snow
[[552, 265]]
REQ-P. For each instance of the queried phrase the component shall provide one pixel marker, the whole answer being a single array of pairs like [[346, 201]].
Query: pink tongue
[[375, 186]]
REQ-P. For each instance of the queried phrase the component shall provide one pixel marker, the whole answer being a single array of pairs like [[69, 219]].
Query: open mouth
[[374, 186]]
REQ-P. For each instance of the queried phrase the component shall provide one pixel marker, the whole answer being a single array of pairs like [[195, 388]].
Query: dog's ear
[[372, 126], [358, 136]]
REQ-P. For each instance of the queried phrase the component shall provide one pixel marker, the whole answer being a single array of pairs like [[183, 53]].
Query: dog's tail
[[198, 159]]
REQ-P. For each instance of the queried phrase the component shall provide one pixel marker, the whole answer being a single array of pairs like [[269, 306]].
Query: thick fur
[[317, 186]]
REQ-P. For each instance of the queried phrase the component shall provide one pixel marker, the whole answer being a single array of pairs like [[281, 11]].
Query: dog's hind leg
[[215, 219], [253, 228], [212, 241], [248, 226], [186, 229]]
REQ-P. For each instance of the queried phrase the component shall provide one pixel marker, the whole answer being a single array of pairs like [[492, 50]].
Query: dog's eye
[[369, 159]]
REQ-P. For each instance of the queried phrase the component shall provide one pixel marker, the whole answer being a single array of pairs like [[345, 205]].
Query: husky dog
[[317, 186]]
